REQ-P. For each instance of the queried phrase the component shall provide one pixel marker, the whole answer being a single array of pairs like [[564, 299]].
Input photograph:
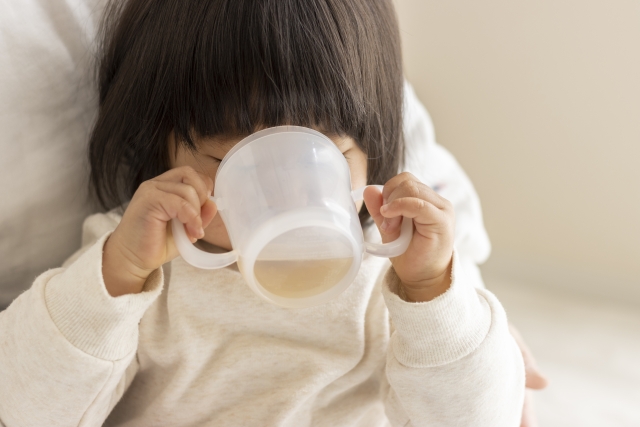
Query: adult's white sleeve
[[435, 166], [67, 348]]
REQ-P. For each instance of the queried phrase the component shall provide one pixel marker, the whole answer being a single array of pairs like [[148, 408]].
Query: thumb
[[373, 200], [534, 378], [207, 212]]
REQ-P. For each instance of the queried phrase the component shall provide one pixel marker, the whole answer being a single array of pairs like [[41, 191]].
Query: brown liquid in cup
[[300, 278]]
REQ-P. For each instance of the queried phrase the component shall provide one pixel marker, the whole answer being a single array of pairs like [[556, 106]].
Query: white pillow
[[47, 105]]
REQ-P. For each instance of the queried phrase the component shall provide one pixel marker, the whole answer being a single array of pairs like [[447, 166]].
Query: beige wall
[[540, 103]]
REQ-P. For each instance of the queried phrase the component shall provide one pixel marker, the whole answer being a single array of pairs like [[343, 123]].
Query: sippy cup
[[284, 195]]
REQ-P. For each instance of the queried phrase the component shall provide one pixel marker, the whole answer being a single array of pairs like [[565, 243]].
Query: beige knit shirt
[[199, 348]]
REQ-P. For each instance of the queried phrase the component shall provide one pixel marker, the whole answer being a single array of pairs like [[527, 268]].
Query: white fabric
[[209, 352], [47, 106]]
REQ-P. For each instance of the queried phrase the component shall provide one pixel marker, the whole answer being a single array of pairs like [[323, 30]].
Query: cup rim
[[270, 131]]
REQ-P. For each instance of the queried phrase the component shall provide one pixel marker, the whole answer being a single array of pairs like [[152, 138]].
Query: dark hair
[[228, 67]]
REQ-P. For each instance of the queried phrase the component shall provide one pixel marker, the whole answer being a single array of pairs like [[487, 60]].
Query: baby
[[128, 334]]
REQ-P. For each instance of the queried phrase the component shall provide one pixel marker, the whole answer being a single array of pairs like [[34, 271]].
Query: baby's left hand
[[425, 268]]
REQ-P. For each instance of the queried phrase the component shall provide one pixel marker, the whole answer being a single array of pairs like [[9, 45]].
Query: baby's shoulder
[[97, 225], [94, 227]]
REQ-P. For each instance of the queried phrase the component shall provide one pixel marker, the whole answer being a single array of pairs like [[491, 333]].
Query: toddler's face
[[212, 150]]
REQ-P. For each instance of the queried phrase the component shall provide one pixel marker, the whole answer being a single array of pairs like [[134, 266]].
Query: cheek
[[358, 169]]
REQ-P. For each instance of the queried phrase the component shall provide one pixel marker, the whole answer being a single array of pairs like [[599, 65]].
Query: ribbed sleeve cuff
[[439, 331], [91, 319]]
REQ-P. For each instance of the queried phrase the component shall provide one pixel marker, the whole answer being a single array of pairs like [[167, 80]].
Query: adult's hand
[[535, 380]]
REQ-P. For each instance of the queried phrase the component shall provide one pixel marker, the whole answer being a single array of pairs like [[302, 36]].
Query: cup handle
[[196, 257], [390, 249]]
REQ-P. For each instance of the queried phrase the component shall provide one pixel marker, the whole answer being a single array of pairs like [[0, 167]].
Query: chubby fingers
[[201, 183], [405, 195], [407, 185], [186, 197], [373, 201]]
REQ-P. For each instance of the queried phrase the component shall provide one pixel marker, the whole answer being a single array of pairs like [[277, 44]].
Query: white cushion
[[47, 105]]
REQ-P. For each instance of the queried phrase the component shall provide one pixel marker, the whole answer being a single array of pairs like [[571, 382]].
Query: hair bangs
[[206, 68], [268, 69]]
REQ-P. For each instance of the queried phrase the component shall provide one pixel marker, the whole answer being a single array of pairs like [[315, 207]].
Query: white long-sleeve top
[[199, 348]]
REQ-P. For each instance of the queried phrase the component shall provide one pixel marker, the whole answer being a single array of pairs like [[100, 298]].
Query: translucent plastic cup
[[284, 195]]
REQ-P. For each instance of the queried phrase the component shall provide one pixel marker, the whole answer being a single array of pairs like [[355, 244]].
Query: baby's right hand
[[143, 242]]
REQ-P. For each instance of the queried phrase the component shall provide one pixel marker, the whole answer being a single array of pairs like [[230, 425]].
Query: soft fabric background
[[46, 108]]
